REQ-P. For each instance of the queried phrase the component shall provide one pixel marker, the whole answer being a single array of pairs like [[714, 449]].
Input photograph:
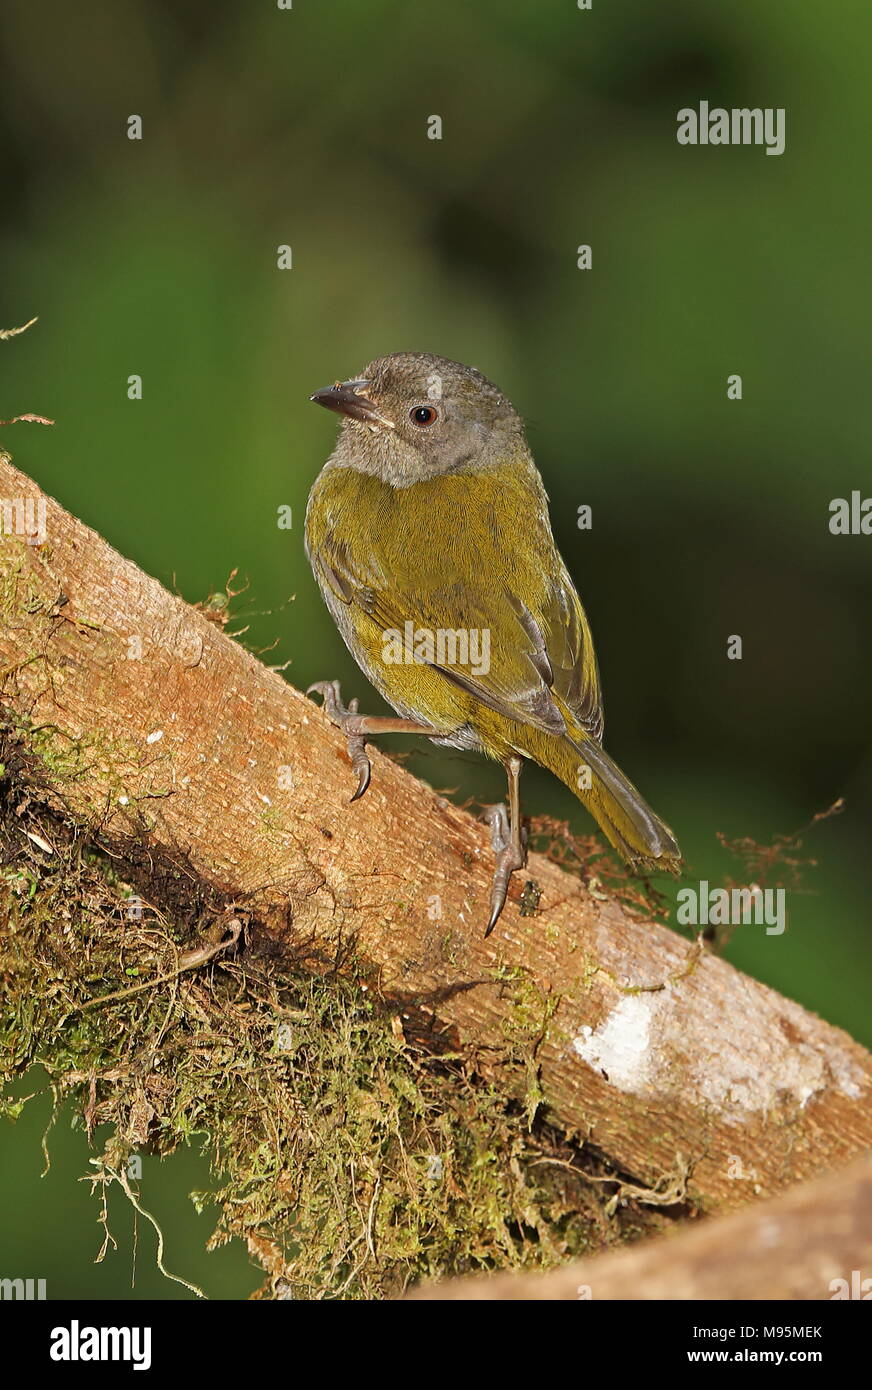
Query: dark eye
[[422, 415]]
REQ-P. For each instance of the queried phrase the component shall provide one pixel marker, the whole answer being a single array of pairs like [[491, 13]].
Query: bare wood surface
[[661, 1055], [813, 1242]]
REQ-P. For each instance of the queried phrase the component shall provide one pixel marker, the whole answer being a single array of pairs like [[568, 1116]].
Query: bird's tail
[[636, 832]]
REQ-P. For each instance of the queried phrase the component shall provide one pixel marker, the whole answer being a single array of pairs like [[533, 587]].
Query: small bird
[[428, 533]]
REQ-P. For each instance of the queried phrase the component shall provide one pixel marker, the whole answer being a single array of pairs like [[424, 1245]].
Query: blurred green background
[[308, 127]]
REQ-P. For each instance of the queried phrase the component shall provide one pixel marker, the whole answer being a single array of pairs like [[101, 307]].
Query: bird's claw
[[509, 857], [346, 719]]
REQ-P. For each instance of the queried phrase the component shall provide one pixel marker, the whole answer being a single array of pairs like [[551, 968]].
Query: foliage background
[[308, 127]]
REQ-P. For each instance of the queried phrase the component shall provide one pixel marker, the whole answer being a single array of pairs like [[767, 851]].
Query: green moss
[[350, 1157]]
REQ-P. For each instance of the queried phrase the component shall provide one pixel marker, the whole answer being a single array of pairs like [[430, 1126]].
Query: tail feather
[[632, 827]]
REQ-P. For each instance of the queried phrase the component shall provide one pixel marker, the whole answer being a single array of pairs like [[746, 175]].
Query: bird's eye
[[422, 415]]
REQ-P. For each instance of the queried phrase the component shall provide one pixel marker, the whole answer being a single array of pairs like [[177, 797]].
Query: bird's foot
[[357, 728], [511, 854], [350, 722]]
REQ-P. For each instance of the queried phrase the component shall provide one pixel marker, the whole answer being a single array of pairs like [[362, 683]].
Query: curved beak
[[346, 398]]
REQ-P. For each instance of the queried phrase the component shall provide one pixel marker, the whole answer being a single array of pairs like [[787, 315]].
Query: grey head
[[411, 416]]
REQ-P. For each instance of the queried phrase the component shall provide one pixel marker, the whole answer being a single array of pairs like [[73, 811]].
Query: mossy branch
[[208, 774], [811, 1243]]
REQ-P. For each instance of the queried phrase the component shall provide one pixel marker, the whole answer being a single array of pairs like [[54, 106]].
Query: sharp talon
[[361, 764], [507, 862], [508, 859], [498, 902]]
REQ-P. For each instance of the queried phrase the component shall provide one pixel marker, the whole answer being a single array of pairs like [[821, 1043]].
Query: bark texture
[[152, 722]]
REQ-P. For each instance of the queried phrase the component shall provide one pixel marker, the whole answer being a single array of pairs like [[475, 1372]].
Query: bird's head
[[412, 416]]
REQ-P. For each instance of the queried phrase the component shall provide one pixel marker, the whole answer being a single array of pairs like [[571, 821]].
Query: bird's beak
[[346, 398]]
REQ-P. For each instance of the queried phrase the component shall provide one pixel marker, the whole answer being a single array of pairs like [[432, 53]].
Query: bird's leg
[[358, 727], [509, 840]]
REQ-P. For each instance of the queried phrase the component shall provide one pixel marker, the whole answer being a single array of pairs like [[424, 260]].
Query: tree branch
[[154, 724]]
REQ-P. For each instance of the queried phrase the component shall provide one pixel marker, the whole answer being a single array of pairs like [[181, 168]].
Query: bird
[[428, 533]]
